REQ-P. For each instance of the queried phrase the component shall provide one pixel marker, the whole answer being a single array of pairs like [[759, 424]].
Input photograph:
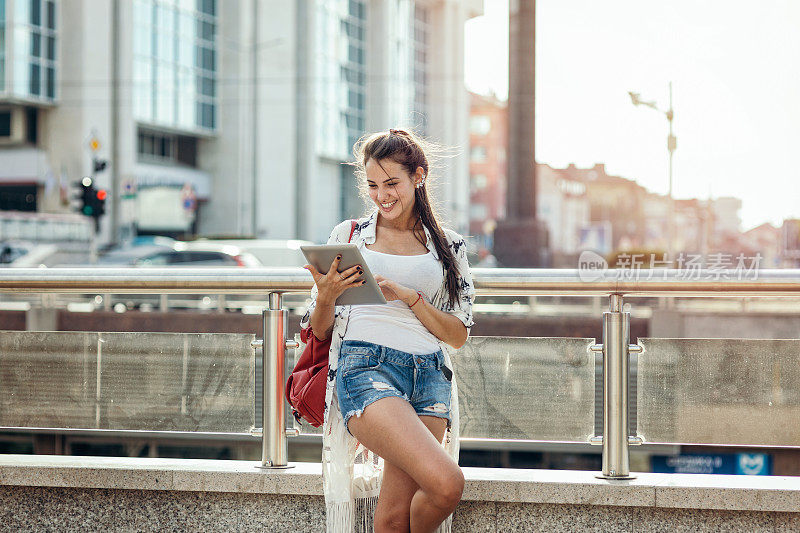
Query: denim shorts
[[368, 372]]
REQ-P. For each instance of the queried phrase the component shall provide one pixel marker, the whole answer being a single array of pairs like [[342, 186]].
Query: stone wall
[[119, 494]]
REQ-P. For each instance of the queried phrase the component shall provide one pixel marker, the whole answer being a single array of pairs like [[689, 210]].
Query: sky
[[735, 70]]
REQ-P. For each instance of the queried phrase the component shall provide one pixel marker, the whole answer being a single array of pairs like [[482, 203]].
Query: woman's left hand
[[394, 291]]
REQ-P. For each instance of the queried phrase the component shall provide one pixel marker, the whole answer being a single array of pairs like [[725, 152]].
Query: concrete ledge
[[670, 491], [119, 494]]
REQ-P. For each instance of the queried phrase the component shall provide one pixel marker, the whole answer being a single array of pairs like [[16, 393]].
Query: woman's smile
[[387, 206]]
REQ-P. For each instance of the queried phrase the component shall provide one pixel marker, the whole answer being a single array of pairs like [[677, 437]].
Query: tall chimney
[[521, 240], [521, 199]]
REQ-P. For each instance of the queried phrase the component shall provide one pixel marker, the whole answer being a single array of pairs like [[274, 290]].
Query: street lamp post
[[671, 145]]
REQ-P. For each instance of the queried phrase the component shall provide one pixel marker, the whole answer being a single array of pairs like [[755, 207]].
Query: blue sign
[[751, 464]]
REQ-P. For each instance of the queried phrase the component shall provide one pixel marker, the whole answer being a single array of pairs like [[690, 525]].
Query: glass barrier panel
[[520, 388], [127, 381], [535, 388], [719, 391], [48, 379]]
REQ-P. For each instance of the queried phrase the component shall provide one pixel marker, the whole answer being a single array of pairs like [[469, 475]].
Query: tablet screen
[[321, 257]]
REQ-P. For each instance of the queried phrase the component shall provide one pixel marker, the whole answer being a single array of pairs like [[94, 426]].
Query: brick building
[[488, 141]]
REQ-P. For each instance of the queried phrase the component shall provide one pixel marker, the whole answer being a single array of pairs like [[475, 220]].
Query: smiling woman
[[390, 432]]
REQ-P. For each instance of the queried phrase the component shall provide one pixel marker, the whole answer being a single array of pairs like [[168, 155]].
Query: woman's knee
[[392, 518], [448, 491]]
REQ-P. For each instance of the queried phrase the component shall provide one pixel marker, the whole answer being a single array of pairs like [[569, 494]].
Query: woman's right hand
[[332, 284]]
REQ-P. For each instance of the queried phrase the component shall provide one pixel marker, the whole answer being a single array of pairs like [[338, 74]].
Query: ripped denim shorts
[[368, 372]]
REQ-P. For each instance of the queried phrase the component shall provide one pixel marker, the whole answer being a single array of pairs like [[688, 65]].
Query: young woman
[[391, 399]]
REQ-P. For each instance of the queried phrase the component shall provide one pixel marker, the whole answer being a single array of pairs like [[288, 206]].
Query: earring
[[420, 183]]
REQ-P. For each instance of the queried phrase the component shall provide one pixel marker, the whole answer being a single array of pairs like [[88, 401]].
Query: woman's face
[[391, 188]]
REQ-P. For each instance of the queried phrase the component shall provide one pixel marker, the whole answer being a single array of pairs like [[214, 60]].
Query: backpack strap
[[352, 229]]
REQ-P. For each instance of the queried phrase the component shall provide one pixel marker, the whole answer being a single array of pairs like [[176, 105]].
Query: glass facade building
[[28, 49], [340, 67], [2, 46], [343, 51], [420, 40], [400, 69], [175, 64]]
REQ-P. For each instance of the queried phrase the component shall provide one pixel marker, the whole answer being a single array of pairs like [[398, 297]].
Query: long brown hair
[[409, 150]]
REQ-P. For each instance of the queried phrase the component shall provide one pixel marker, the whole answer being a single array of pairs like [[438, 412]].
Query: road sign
[[128, 189], [188, 197]]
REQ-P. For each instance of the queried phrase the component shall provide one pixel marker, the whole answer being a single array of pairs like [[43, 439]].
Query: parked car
[[164, 252], [199, 254], [269, 252], [128, 254], [25, 254]]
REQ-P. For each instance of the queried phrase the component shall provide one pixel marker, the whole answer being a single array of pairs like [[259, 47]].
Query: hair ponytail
[[427, 216]]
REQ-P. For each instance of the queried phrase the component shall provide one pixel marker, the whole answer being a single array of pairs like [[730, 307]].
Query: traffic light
[[92, 201], [100, 203], [85, 196]]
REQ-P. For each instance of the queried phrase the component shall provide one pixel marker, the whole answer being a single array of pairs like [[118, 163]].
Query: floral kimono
[[352, 474]]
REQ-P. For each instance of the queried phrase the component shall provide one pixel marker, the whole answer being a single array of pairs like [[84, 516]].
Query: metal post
[[273, 442], [616, 461], [98, 394], [671, 145]]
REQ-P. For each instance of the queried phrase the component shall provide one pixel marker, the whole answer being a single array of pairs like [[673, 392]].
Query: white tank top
[[394, 324]]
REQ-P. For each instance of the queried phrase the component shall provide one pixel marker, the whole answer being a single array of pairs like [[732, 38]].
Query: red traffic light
[[101, 194]]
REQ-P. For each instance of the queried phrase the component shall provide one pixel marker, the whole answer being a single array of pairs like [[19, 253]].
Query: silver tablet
[[321, 256]]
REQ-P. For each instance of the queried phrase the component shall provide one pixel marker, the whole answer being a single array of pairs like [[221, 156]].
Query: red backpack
[[305, 388]]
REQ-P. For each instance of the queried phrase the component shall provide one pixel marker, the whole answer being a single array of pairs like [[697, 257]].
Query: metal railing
[[275, 282]]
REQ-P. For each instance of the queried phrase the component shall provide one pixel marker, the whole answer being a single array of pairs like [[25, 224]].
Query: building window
[[340, 60], [175, 63], [32, 123], [18, 197], [478, 212], [2, 47], [480, 125], [156, 147], [33, 30], [5, 123], [478, 182], [477, 154], [421, 40], [404, 39], [19, 125]]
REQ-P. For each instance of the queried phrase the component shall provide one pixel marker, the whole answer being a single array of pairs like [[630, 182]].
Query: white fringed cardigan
[[351, 473]]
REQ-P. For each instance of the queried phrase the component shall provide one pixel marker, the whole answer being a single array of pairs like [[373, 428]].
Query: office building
[[229, 118]]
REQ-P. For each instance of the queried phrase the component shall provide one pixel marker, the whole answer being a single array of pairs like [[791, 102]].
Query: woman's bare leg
[[423, 508], [393, 512], [390, 428]]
